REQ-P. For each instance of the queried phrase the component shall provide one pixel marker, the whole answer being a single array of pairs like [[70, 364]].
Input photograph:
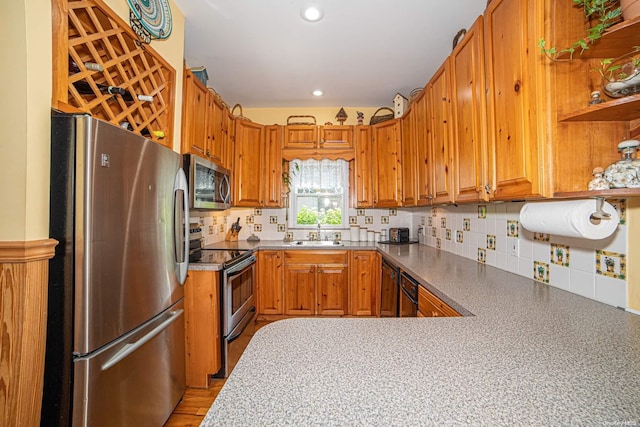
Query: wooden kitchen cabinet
[[469, 140], [362, 188], [336, 136], [365, 283], [273, 166], [248, 167], [387, 167], [531, 152], [202, 327], [194, 115], [439, 107], [216, 123], [316, 282], [270, 282], [430, 305], [318, 142], [423, 155], [409, 159]]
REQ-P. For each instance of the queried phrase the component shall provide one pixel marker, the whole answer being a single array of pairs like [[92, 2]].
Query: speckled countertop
[[528, 355]]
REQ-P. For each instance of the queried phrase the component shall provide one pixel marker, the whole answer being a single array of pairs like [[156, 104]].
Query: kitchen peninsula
[[528, 354]]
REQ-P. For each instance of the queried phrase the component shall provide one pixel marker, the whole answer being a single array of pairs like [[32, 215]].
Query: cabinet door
[[230, 138], [202, 327], [514, 159], [300, 290], [216, 145], [423, 178], [432, 306], [386, 164], [336, 136], [300, 136], [388, 292], [363, 185], [332, 290], [194, 113], [364, 268], [269, 287], [248, 168], [409, 159], [273, 166], [440, 139], [469, 115]]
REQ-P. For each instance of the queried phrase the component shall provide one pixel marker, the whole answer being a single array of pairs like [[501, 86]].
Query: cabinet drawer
[[316, 257], [431, 306]]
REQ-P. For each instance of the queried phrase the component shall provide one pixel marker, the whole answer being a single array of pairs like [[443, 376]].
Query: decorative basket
[[414, 94], [238, 116], [381, 118], [310, 120]]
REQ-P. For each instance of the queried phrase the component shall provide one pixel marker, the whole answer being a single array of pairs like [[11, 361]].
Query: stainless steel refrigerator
[[115, 330]]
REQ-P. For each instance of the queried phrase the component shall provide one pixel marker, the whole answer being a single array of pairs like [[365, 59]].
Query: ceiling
[[261, 53]]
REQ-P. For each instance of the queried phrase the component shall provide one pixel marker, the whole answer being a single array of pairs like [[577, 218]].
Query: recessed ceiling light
[[311, 13], [317, 93]]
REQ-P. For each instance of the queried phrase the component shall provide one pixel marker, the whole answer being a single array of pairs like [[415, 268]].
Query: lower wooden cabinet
[[316, 283], [269, 283], [365, 283], [202, 327], [430, 305]]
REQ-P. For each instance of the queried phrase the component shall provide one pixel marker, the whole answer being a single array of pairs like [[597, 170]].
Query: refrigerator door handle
[[129, 348], [181, 225]]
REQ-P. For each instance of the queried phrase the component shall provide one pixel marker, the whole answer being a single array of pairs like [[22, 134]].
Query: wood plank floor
[[196, 402]]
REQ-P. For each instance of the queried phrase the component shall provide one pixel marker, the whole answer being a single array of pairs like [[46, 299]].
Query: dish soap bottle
[[625, 173]]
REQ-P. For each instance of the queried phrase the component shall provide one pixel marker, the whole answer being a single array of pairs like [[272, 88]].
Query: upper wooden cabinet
[[409, 159], [469, 140], [439, 107], [194, 115], [248, 167], [387, 169], [531, 153], [423, 155], [273, 166], [311, 141], [362, 176], [205, 122]]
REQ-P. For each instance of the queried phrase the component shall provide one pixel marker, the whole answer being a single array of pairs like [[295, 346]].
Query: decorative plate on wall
[[153, 15]]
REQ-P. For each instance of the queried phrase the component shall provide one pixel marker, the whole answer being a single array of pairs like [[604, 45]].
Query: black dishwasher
[[408, 296], [389, 289]]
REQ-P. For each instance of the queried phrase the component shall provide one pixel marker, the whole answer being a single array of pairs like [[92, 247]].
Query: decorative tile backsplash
[[487, 233], [492, 234]]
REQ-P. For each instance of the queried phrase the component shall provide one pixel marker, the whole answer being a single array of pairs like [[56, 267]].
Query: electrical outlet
[[514, 246]]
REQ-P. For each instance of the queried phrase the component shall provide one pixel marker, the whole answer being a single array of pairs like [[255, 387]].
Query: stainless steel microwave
[[209, 184]]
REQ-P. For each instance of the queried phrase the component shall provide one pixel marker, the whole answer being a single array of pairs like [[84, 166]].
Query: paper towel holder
[[599, 214]]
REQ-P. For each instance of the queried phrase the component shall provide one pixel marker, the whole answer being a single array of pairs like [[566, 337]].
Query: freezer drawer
[[138, 380]]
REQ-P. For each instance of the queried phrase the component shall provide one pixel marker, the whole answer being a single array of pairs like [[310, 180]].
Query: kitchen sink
[[315, 243]]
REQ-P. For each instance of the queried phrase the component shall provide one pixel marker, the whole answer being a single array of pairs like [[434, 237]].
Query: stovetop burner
[[224, 257]]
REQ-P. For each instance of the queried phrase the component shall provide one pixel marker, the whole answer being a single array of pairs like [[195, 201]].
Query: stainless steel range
[[237, 294]]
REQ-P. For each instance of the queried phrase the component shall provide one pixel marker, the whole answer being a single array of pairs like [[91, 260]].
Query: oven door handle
[[240, 267], [408, 295]]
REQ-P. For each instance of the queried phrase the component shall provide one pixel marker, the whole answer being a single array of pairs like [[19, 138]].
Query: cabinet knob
[[516, 86], [487, 188]]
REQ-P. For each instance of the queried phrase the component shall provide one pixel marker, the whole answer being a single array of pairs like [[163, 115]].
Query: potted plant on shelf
[[602, 13]]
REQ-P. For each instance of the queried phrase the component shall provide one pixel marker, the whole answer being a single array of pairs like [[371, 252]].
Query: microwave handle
[[225, 188], [181, 225]]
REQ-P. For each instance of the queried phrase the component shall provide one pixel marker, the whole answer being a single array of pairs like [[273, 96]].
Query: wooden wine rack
[[89, 31]]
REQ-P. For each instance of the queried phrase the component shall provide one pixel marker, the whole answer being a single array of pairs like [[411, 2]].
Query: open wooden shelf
[[617, 110], [618, 40], [612, 193], [89, 31]]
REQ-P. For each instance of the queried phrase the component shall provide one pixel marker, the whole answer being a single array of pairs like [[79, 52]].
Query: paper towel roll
[[571, 218]]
